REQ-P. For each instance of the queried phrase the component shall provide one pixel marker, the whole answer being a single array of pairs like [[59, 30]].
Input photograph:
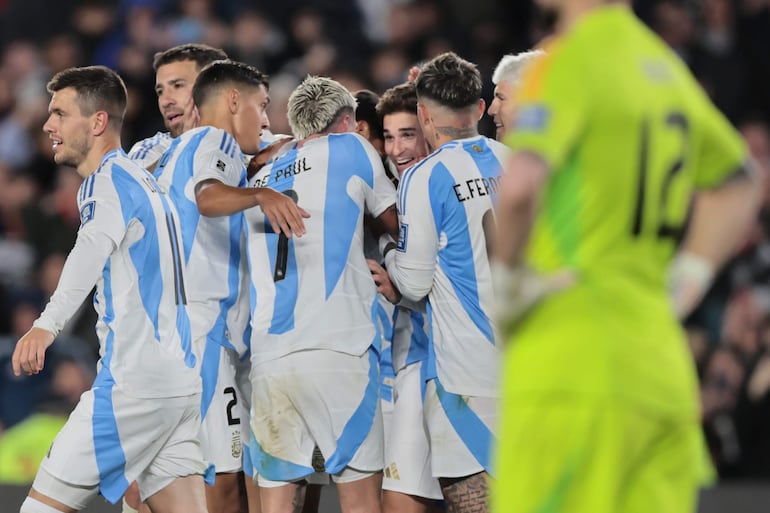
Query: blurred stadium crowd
[[363, 44]]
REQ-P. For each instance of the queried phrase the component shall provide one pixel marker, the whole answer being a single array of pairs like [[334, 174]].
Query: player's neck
[[574, 10], [102, 146]]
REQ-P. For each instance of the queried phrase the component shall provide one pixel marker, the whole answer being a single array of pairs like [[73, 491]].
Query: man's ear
[[362, 128], [100, 122], [423, 116], [233, 100], [482, 107]]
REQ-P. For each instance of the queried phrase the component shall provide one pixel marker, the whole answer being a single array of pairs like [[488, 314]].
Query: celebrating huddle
[[279, 309]]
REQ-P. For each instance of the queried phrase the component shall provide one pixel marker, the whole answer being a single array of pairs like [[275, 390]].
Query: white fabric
[[407, 449], [327, 299], [446, 207], [142, 325], [148, 152], [112, 439], [215, 266]]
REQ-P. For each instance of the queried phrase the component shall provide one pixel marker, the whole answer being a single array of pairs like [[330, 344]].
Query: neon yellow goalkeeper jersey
[[628, 135]]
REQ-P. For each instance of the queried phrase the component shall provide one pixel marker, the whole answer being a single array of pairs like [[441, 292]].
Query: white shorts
[[461, 428], [407, 450], [224, 407], [112, 439], [316, 398]]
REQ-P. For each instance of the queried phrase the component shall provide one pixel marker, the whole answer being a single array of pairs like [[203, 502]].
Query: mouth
[[55, 143], [404, 161], [173, 117]]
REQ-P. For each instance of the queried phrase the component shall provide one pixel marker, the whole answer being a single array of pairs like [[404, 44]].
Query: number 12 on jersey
[[664, 226]]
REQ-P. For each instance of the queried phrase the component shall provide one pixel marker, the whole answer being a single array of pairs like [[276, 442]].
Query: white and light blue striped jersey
[[217, 285], [148, 152], [410, 337], [445, 206], [143, 327], [316, 291]]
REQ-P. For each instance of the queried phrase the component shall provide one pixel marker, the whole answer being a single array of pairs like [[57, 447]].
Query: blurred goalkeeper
[[612, 140]]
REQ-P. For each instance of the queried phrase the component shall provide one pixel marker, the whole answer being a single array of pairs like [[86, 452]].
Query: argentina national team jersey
[[316, 291], [143, 327], [446, 212], [410, 337], [215, 266], [148, 152]]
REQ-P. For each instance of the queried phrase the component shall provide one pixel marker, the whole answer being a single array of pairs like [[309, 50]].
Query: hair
[[449, 80], [316, 104], [511, 67], [367, 111], [98, 88], [400, 98], [218, 74], [200, 54]]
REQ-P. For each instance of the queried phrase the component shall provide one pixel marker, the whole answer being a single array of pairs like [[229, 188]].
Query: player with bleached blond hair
[[315, 336]]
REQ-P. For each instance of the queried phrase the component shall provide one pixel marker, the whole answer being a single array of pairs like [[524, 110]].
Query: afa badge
[[87, 212], [402, 234]]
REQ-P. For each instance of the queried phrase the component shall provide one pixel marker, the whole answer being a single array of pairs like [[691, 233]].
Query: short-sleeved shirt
[[143, 327], [316, 291], [213, 249], [628, 136], [446, 209]]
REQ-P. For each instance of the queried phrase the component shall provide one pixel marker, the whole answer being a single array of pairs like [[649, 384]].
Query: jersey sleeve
[[412, 265], [722, 151], [148, 152], [101, 209], [219, 158], [552, 106]]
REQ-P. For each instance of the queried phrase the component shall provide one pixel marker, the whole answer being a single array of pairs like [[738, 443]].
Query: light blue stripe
[[473, 432], [135, 203], [110, 458], [418, 343], [182, 174], [104, 377], [456, 258], [223, 141], [182, 318], [209, 374], [229, 143], [486, 161], [233, 277], [91, 184], [248, 465], [347, 158], [360, 423], [286, 290], [275, 469], [403, 185]]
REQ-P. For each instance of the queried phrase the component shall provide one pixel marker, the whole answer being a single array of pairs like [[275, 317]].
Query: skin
[[173, 85], [502, 109], [404, 143]]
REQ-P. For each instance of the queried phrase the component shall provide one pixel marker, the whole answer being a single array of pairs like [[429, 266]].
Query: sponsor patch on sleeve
[[218, 163], [402, 233], [533, 118], [87, 212]]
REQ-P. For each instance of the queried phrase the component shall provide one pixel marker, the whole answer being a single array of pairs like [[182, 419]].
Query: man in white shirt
[[315, 335], [140, 420]]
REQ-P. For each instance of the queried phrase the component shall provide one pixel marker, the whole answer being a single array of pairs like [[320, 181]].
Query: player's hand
[[284, 215], [413, 72], [258, 161], [520, 289], [29, 355], [382, 280], [192, 118], [689, 278]]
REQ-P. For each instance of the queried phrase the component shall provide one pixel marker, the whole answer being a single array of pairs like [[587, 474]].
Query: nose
[[47, 126], [165, 99], [493, 107]]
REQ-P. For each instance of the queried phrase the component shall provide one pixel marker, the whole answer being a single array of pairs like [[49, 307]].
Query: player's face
[[251, 118], [502, 109], [173, 85], [68, 129], [404, 143]]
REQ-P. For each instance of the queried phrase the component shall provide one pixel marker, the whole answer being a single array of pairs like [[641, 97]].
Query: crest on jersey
[[533, 118], [87, 212], [402, 234]]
